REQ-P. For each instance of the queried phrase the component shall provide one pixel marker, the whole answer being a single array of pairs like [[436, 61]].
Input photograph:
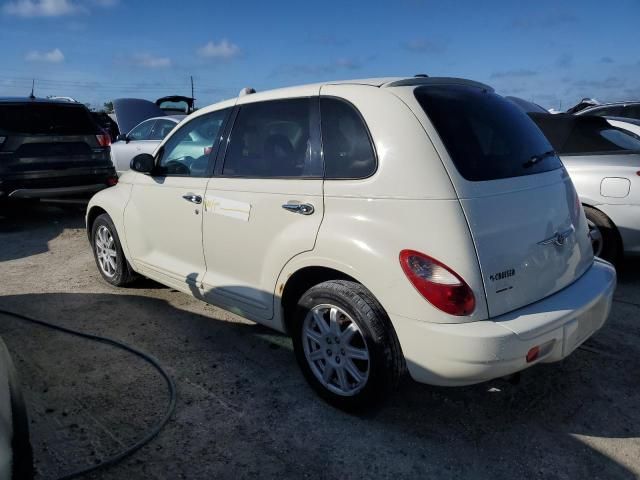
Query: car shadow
[[244, 408], [43, 220]]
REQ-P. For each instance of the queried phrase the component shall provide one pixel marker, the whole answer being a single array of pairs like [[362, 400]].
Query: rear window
[[46, 119], [585, 134], [487, 136]]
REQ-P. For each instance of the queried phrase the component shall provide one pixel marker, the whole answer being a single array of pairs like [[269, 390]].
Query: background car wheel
[[604, 235], [21, 443], [107, 250], [345, 344], [21, 451]]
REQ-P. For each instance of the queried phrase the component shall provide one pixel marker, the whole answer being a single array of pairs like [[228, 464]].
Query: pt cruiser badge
[[559, 238]]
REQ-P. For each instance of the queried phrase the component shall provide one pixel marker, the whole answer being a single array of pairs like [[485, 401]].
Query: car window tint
[[346, 145], [142, 131], [46, 119], [273, 139], [585, 134], [188, 150], [487, 136], [161, 129]]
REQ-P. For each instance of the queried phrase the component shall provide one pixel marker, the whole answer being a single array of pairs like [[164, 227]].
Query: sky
[[551, 52]]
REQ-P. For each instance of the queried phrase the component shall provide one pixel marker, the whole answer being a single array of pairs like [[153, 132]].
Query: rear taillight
[[104, 140], [436, 282], [111, 181]]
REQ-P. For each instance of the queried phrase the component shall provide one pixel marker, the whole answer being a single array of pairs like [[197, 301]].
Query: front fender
[[113, 201]]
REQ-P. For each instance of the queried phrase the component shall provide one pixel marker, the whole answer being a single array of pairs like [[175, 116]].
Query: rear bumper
[[468, 353], [55, 183], [24, 193]]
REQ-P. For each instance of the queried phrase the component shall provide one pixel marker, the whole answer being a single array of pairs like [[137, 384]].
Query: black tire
[[611, 248], [123, 274], [386, 362], [22, 453]]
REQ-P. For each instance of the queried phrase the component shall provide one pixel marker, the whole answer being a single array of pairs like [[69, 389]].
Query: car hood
[[130, 112]]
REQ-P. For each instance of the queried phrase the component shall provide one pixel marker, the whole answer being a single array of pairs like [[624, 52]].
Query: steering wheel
[[180, 166]]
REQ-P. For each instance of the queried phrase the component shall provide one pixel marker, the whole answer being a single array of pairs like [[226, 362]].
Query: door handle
[[193, 198], [302, 208]]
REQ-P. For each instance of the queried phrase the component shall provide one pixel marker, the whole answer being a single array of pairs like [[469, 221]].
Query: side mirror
[[122, 138], [143, 163]]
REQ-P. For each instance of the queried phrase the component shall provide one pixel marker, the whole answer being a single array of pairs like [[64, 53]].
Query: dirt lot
[[244, 409]]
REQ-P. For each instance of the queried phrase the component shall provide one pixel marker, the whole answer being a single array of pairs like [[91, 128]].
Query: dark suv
[[51, 149]]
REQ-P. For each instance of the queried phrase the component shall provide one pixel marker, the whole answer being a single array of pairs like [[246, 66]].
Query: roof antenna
[[33, 86]]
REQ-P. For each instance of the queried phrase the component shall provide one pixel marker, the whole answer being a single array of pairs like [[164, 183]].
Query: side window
[[142, 131], [274, 139], [187, 151], [161, 129], [346, 145]]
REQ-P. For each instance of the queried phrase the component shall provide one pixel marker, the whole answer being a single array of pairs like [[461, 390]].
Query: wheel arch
[[616, 231]]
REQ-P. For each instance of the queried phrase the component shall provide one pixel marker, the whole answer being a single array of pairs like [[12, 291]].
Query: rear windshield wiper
[[538, 158]]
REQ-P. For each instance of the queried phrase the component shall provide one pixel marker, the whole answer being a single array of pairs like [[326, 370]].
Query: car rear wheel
[[345, 345], [107, 250], [604, 236], [21, 444]]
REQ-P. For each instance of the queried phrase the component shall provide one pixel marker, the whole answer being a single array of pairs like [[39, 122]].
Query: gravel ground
[[244, 409]]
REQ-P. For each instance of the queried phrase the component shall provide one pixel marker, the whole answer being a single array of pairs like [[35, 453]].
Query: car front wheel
[[345, 345], [107, 250]]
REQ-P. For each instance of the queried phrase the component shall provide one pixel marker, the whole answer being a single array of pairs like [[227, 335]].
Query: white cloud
[[105, 3], [224, 49], [54, 56], [40, 8], [149, 61], [52, 8]]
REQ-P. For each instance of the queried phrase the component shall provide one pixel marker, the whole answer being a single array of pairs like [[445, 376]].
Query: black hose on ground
[[154, 431]]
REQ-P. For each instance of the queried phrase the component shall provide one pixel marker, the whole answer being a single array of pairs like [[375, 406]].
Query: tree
[[108, 107]]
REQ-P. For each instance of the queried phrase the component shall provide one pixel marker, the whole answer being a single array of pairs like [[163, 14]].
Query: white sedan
[[15, 447], [143, 138]]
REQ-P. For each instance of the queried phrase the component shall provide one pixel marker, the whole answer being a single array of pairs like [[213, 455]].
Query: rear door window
[[46, 119], [487, 136], [346, 145], [274, 139]]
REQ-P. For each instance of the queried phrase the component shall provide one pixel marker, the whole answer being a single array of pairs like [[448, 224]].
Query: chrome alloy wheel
[[106, 251], [335, 350], [595, 235]]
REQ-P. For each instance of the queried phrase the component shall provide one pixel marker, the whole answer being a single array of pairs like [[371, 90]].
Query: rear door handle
[[301, 208], [193, 198]]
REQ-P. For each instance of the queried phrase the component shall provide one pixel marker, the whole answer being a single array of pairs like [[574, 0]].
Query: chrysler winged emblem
[[559, 238]]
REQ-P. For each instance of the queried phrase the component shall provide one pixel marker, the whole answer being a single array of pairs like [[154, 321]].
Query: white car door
[[138, 141], [163, 218], [264, 204]]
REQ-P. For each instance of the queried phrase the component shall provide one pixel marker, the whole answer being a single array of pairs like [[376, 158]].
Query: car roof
[[611, 104], [37, 100], [302, 90]]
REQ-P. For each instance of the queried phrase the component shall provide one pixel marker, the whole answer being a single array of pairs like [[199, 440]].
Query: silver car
[[604, 164], [143, 138], [15, 448]]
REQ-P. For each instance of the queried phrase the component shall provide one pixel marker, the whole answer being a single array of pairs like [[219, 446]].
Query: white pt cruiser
[[420, 224]]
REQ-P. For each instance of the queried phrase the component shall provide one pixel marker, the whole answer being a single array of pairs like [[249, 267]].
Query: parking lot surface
[[244, 409]]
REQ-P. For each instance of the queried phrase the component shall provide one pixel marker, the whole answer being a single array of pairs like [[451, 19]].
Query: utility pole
[[192, 96]]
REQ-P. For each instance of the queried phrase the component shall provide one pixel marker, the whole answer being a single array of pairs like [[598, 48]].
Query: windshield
[[487, 136], [46, 119]]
